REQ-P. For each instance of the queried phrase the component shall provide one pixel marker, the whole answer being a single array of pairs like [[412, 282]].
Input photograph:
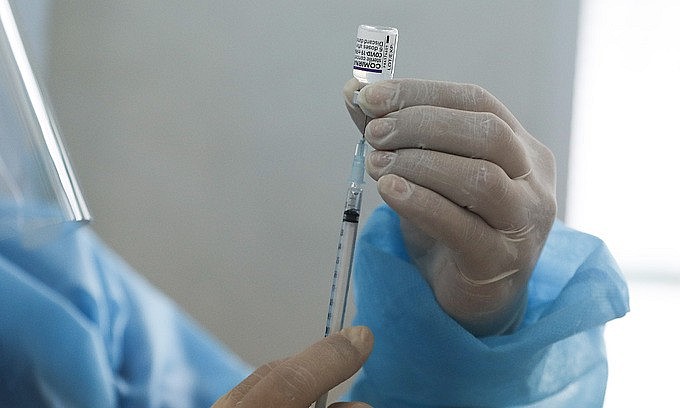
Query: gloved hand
[[298, 381], [474, 190]]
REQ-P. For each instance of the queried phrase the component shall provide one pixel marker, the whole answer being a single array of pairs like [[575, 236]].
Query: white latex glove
[[474, 190], [298, 381]]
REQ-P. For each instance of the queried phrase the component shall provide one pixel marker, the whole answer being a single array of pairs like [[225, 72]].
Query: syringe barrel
[[341, 276]]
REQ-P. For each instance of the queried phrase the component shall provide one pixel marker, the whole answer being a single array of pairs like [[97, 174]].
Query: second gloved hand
[[474, 190], [298, 381]]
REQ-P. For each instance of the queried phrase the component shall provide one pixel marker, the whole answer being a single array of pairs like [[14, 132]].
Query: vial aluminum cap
[[375, 53]]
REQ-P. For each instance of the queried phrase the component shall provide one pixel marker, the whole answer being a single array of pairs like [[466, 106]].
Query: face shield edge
[[63, 182]]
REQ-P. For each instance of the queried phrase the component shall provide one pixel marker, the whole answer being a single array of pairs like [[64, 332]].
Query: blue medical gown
[[78, 328], [423, 358]]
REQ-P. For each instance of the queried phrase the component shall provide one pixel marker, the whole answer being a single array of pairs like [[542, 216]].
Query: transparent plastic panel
[[38, 190]]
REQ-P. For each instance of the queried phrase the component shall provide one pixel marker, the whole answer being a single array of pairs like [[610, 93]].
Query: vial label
[[374, 53]]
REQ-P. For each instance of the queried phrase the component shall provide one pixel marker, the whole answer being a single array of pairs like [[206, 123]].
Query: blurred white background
[[623, 182]]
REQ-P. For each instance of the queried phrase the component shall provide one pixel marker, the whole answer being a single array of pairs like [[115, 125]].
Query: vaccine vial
[[374, 54]]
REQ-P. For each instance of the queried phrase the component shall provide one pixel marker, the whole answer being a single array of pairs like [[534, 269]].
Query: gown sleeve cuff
[[423, 357]]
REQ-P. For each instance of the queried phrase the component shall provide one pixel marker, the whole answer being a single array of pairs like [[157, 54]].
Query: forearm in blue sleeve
[[79, 328], [423, 358]]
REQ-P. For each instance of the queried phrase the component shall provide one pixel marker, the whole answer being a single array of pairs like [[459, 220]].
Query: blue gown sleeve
[[78, 328], [423, 358]]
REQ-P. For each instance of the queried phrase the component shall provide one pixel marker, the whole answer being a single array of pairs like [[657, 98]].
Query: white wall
[[213, 147]]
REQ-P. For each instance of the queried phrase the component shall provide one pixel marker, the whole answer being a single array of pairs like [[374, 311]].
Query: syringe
[[348, 234], [374, 57], [344, 259]]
